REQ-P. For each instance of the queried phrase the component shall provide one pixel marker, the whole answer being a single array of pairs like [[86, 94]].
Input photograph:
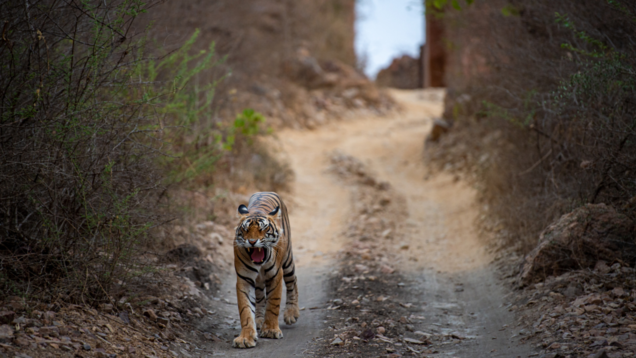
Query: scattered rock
[[600, 354], [150, 313], [367, 334], [579, 240], [48, 317], [414, 341], [386, 269], [439, 128], [337, 342], [361, 268], [6, 333], [50, 331], [403, 72], [6, 317]]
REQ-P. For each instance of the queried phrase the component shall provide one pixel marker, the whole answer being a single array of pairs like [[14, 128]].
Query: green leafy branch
[[565, 21]]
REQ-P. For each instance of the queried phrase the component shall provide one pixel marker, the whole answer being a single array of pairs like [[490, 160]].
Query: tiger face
[[258, 233]]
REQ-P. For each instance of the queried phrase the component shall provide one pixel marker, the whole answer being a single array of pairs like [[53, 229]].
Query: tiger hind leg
[[260, 302], [292, 312]]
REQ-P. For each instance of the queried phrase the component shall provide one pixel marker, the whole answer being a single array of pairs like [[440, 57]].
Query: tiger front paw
[[245, 340], [273, 333], [291, 314]]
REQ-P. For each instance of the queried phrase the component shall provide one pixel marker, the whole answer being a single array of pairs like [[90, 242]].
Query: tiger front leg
[[260, 302], [272, 309], [245, 298]]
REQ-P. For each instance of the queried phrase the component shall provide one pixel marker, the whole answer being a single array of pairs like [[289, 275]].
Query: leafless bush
[[77, 178], [557, 81]]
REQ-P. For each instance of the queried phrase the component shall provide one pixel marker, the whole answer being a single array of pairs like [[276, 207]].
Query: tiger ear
[[242, 210], [275, 212]]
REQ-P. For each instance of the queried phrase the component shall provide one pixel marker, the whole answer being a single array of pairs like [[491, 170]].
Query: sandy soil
[[447, 264]]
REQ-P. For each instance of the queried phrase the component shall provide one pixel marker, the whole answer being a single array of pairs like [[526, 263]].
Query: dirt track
[[446, 263]]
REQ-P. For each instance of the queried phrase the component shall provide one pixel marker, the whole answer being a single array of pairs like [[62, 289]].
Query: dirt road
[[446, 263]]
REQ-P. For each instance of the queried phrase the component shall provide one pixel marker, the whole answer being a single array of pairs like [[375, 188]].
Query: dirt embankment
[[293, 61]]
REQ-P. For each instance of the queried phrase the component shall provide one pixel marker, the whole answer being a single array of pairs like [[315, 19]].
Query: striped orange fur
[[263, 261]]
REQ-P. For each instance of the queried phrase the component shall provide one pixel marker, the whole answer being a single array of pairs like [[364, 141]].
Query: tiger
[[263, 260]]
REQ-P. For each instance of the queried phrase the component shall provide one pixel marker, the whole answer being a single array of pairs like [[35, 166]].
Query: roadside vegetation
[[97, 129], [543, 99]]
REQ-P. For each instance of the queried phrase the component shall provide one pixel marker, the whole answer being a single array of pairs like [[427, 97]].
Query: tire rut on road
[[451, 283]]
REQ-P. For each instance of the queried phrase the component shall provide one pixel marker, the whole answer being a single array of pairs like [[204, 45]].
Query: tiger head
[[258, 233]]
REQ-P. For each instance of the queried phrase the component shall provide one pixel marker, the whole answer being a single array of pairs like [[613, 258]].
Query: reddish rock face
[[435, 54], [579, 240], [403, 73]]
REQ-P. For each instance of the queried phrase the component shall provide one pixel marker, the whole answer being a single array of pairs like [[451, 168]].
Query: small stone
[[163, 322], [123, 315], [390, 350], [439, 128], [600, 354], [21, 341], [6, 317], [618, 292], [380, 330], [601, 266], [413, 341], [361, 268], [355, 302], [386, 269], [337, 301], [337, 342], [86, 347], [6, 332], [423, 334], [50, 331], [404, 246], [150, 313], [367, 334], [48, 317]]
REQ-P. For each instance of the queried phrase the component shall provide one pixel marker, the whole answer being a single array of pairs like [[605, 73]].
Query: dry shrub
[[551, 86], [77, 180]]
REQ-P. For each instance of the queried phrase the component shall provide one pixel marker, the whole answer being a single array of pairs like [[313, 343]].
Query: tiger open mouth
[[257, 255]]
